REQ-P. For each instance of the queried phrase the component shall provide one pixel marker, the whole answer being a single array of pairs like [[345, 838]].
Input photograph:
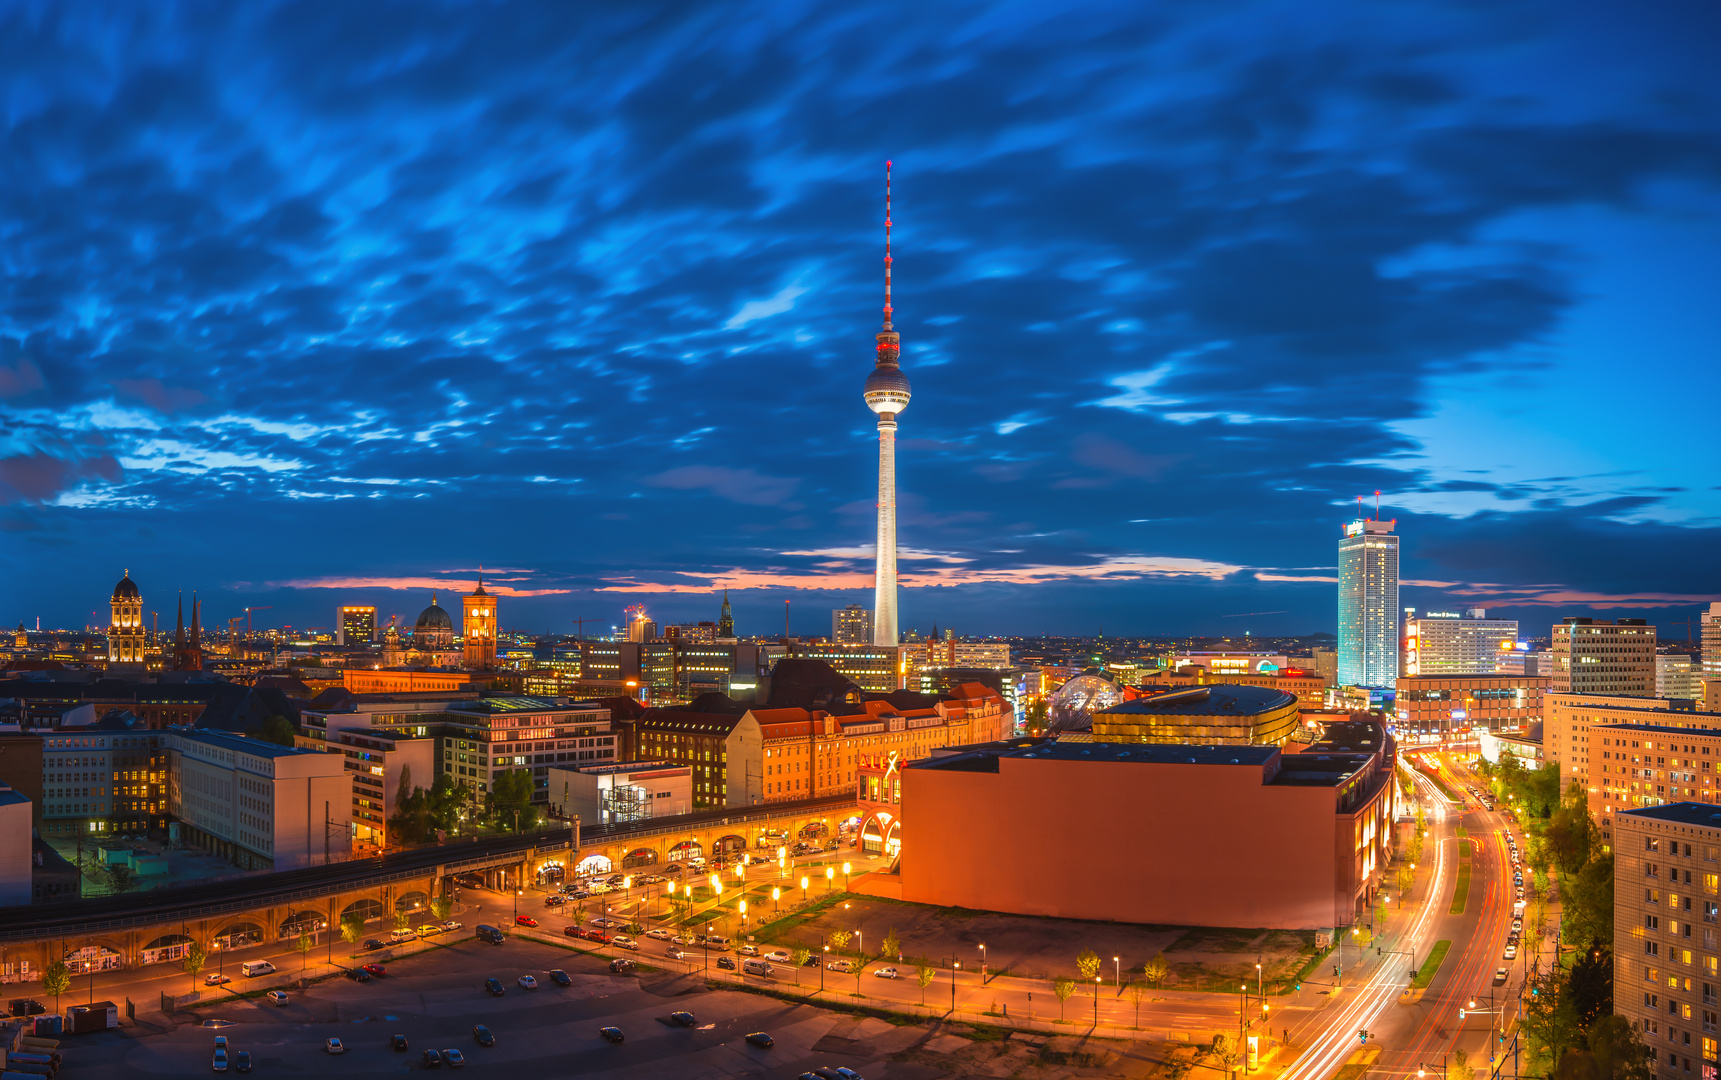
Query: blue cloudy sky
[[317, 302]]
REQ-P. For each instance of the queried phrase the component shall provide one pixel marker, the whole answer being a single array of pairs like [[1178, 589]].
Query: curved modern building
[[1204, 716]]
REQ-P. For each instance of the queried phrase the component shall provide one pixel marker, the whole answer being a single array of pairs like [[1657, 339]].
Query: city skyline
[[295, 346]]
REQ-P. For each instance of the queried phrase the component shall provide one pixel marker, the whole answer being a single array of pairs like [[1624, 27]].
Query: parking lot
[[435, 998]]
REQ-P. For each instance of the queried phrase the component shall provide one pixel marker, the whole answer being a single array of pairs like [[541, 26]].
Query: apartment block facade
[[1667, 933], [261, 806]]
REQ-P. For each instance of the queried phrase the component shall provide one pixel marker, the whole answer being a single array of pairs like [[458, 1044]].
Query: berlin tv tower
[[886, 394]]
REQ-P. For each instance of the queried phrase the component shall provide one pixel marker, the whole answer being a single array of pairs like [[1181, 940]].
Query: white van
[[756, 967], [398, 936], [253, 968]]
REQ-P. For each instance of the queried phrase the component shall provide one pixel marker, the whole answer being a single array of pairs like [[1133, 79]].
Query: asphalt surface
[[435, 998]]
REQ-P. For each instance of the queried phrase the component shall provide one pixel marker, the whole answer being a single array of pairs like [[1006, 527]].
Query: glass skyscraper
[[1368, 605]]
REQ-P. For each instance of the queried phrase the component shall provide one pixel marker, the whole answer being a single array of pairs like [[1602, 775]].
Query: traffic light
[[1335, 971], [1460, 1014], [1299, 985], [1362, 1035]]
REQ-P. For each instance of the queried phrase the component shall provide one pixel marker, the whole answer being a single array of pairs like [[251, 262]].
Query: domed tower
[[125, 630], [886, 394], [434, 630]]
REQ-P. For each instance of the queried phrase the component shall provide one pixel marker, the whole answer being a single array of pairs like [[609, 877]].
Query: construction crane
[[249, 610], [581, 624], [233, 627]]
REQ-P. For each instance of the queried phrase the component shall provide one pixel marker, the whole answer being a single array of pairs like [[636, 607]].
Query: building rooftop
[[1219, 699], [518, 704], [622, 767], [240, 744], [1680, 813]]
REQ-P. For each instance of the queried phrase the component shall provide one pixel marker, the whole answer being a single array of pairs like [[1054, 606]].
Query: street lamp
[[1242, 1001], [1258, 991], [955, 968], [830, 877], [743, 910], [803, 888], [845, 877], [776, 894], [1117, 971], [982, 963], [1096, 1002], [822, 965]]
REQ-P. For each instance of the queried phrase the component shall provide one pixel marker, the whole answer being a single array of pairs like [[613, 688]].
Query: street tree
[[1591, 985], [278, 730], [799, 956], [441, 907], [924, 972], [193, 962], [1549, 1019], [1156, 969], [1587, 902], [57, 979], [352, 930], [303, 945], [402, 920], [892, 945], [1459, 1067], [1137, 990], [1063, 986], [1088, 966], [1619, 1051], [839, 939]]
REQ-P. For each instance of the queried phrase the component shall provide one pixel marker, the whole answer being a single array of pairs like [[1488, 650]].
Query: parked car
[[334, 1046], [525, 920], [683, 1018], [560, 977], [778, 956], [527, 982], [432, 1059], [621, 965], [358, 974], [840, 964], [220, 1042], [215, 979], [398, 1043], [726, 962], [455, 1059], [373, 945], [219, 1062], [760, 1039], [606, 922], [747, 950], [494, 987], [886, 973], [674, 953], [276, 997], [242, 1061], [428, 929], [659, 933], [622, 941], [672, 870], [602, 937], [376, 969], [1511, 952], [612, 1034], [1499, 976], [483, 1036], [554, 901], [451, 926]]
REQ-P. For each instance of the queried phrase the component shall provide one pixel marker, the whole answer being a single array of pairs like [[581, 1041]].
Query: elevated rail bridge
[[158, 926]]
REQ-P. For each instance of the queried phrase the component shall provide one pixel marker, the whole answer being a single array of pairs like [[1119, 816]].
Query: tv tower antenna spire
[[886, 394]]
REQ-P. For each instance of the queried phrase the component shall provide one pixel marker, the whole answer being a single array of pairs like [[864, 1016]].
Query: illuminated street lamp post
[[830, 878], [743, 917], [1242, 1003], [982, 963], [1117, 971], [1096, 1002], [822, 965], [845, 877], [803, 888], [955, 969], [776, 908]]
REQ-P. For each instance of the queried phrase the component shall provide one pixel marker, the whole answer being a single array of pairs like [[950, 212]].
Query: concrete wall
[[1189, 845]]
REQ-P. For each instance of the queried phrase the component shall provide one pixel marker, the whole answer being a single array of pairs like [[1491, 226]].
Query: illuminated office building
[[851, 625], [1445, 643], [355, 624], [1368, 604], [1599, 657]]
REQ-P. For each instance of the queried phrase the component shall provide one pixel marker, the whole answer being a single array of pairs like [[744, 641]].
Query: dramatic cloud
[[312, 296]]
